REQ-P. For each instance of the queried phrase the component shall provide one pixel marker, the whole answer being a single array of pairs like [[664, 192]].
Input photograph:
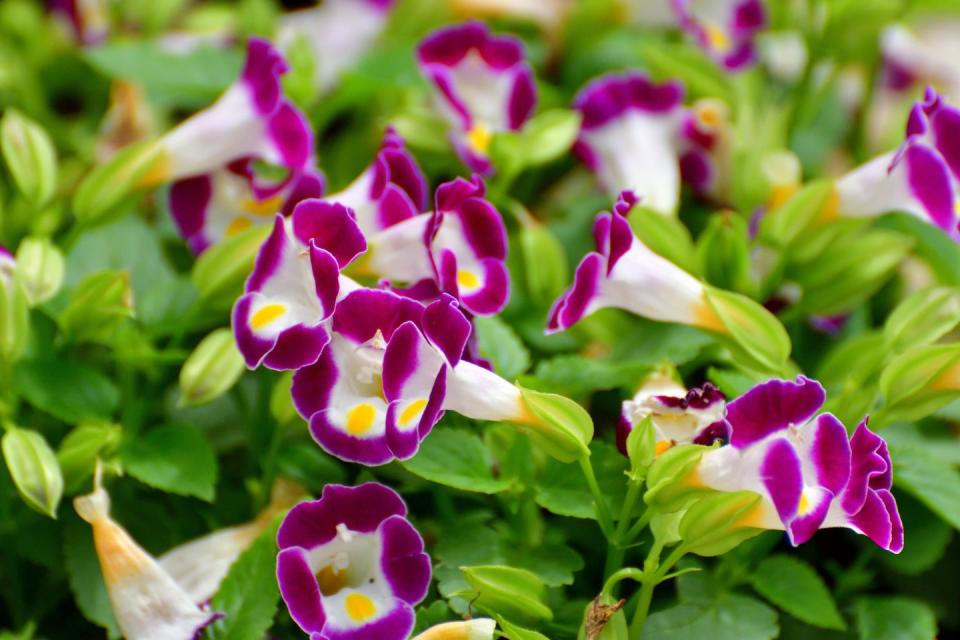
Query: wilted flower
[[724, 28], [210, 207], [339, 32], [809, 475], [626, 274], [678, 416], [147, 603], [483, 86], [251, 119], [351, 566], [629, 137], [920, 178]]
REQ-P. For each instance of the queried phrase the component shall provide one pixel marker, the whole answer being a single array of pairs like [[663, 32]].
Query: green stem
[[639, 525], [643, 608], [627, 573], [654, 573], [600, 503], [615, 550]]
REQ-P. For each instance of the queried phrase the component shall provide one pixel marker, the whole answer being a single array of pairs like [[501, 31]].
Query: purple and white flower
[[87, 20], [630, 139], [351, 566], [280, 320], [678, 416], [624, 273], [251, 119], [706, 148], [483, 84], [339, 32], [724, 28], [928, 53], [8, 265], [210, 207], [921, 178], [808, 473]]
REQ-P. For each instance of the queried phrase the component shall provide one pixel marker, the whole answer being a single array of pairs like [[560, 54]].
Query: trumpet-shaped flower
[[251, 119], [706, 148], [475, 629], [678, 416], [807, 471], [630, 137], [390, 191], [927, 54], [339, 32], [294, 286], [351, 566], [483, 86], [625, 273], [147, 603], [921, 178], [211, 207], [724, 28]]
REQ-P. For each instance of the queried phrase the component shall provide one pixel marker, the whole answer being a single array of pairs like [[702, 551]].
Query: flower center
[[413, 410], [360, 418], [479, 138], [359, 607], [468, 280]]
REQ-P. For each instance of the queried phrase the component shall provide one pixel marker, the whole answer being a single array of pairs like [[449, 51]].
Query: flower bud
[[641, 448], [40, 268], [98, 305], [213, 367], [719, 522], [922, 318], [79, 450], [30, 156], [559, 425], [545, 264], [920, 381], [750, 331], [14, 320], [515, 594], [671, 481], [723, 250], [34, 469], [221, 270], [783, 225], [102, 192]]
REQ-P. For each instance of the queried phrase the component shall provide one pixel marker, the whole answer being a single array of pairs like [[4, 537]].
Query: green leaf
[[502, 346], [933, 482], [574, 373], [516, 632], [513, 593], [728, 617], [684, 62], [456, 458], [666, 236], [84, 575], [66, 389], [549, 135], [555, 564], [794, 586], [34, 469], [926, 542], [561, 488], [78, 451], [545, 268], [723, 251], [923, 317], [248, 595], [175, 459], [895, 618]]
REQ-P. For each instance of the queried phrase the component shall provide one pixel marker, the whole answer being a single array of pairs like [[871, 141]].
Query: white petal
[[480, 394]]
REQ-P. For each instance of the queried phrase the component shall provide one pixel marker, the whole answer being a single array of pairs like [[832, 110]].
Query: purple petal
[[945, 123], [330, 226], [405, 566], [252, 347], [398, 623], [189, 199], [609, 97], [307, 184], [830, 453], [296, 347], [270, 255], [771, 407], [572, 305], [782, 476], [447, 328], [363, 313], [291, 136], [371, 451], [492, 297], [866, 464], [326, 278], [802, 527], [930, 183], [299, 589], [313, 385], [879, 520], [523, 98], [261, 73]]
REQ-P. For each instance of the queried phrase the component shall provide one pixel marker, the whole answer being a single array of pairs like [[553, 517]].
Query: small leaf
[[795, 587], [502, 346], [728, 617], [895, 618], [66, 389], [34, 469], [549, 135], [456, 458], [248, 595], [175, 459]]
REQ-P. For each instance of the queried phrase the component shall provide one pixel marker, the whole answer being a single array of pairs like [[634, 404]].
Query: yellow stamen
[[718, 38], [804, 507], [359, 607], [236, 226], [267, 314], [412, 411], [360, 418], [662, 447], [709, 115], [331, 580], [479, 138], [468, 280], [267, 207]]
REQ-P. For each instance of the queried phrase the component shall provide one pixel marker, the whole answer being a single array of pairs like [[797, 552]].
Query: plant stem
[[600, 503], [615, 550], [638, 526], [627, 573], [654, 572]]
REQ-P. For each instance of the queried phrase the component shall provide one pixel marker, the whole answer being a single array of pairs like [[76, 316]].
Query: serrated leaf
[[500, 343], [574, 373], [456, 458], [66, 389], [555, 564], [561, 488], [177, 459], [729, 617], [895, 618], [248, 595], [794, 586]]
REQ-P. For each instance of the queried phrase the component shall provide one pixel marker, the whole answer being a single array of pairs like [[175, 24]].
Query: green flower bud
[[719, 522], [723, 251], [516, 594], [783, 225], [80, 449], [920, 381], [213, 367], [641, 448], [30, 156], [922, 318], [220, 272], [34, 469], [560, 426], [604, 620], [100, 196], [755, 336], [40, 268], [545, 263], [14, 320], [672, 481], [98, 305]]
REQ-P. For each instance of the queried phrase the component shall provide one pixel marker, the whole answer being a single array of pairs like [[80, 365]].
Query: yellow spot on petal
[[331, 580], [718, 38], [267, 314], [267, 207], [413, 410], [359, 607], [360, 418], [956, 207], [662, 447], [236, 226], [468, 280], [478, 138], [804, 507]]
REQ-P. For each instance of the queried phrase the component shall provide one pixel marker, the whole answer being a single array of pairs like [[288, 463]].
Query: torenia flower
[[88, 20], [8, 265], [351, 566], [705, 143], [200, 565], [391, 190], [809, 475], [483, 86], [210, 207], [629, 137], [251, 119], [339, 32], [678, 416], [724, 28], [475, 629], [294, 286], [920, 178], [147, 603], [549, 15], [927, 54], [625, 273]]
